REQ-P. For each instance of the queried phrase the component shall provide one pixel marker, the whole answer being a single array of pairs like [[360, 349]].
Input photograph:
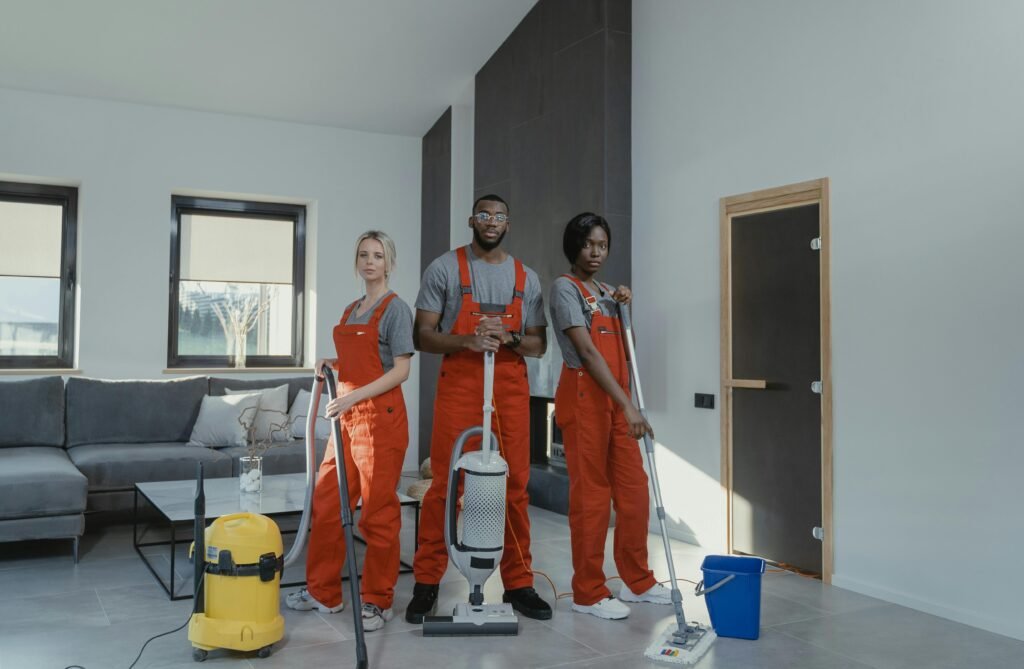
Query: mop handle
[[485, 437], [677, 598]]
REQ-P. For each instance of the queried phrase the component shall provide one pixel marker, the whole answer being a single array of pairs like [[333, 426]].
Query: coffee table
[[174, 501]]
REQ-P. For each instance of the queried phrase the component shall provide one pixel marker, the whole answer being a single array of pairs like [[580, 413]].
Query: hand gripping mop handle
[[346, 522], [677, 597], [311, 468]]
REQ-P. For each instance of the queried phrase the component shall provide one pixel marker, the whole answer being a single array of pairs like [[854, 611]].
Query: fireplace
[[549, 479]]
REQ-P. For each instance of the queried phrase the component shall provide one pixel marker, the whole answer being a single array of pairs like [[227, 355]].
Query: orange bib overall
[[459, 405], [604, 466], [376, 434]]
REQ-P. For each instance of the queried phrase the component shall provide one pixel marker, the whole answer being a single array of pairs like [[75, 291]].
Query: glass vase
[[250, 477], [240, 350]]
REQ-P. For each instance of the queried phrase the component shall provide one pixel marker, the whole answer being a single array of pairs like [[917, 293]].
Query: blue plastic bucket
[[732, 590]]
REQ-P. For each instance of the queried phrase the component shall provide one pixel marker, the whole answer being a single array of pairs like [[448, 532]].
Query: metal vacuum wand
[[485, 444], [346, 522]]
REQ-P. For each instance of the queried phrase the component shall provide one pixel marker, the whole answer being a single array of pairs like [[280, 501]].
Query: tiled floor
[[97, 614]]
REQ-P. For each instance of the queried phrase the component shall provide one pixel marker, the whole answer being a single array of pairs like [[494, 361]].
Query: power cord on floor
[[195, 605]]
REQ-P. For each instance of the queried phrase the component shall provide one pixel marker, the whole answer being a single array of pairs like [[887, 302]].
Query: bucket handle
[[700, 590]]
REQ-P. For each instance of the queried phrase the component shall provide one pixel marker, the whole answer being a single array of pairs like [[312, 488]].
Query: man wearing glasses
[[479, 298]]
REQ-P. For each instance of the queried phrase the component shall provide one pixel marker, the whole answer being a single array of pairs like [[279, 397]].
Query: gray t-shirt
[[441, 292], [394, 337], [569, 310]]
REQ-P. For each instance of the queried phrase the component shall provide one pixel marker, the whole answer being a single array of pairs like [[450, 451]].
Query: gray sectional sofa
[[68, 449]]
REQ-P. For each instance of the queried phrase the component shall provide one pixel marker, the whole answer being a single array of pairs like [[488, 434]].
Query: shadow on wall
[[687, 492]]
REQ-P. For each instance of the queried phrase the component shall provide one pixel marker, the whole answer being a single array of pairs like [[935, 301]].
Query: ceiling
[[389, 66]]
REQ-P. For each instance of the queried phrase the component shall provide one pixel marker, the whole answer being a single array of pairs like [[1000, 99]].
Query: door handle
[[754, 384]]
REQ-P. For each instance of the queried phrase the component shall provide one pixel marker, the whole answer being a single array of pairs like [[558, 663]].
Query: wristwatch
[[517, 339]]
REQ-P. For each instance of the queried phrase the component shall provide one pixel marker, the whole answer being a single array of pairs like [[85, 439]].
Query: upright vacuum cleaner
[[478, 551], [682, 642]]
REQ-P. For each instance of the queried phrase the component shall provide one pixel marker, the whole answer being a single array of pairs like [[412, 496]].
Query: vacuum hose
[[311, 468]]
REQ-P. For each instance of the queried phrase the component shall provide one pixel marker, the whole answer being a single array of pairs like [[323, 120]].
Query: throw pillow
[[273, 411], [217, 424], [299, 410]]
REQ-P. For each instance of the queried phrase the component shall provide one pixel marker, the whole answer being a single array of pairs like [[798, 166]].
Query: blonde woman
[[374, 347]]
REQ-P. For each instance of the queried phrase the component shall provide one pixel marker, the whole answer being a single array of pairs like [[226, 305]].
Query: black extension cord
[[157, 636]]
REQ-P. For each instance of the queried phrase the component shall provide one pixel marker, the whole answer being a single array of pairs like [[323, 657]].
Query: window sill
[[237, 370], [40, 371]]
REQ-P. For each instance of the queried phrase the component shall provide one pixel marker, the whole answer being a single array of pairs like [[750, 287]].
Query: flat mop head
[[681, 646]]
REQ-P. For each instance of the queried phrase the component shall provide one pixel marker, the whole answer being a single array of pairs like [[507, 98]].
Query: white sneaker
[[608, 608], [303, 601], [374, 617], [658, 594]]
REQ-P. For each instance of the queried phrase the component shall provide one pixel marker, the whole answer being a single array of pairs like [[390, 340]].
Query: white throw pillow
[[218, 424], [271, 400], [299, 410]]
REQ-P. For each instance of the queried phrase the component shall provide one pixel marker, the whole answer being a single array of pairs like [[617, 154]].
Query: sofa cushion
[[33, 412], [127, 412], [223, 420], [39, 481], [288, 458], [300, 409], [48, 527], [295, 383], [272, 416], [119, 466]]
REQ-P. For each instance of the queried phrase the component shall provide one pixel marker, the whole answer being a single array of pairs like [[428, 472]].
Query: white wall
[[913, 109], [127, 161]]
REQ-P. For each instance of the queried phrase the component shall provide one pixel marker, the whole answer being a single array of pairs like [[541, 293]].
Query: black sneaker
[[527, 602], [424, 603]]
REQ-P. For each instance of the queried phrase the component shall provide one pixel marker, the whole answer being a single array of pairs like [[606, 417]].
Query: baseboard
[[1002, 626]]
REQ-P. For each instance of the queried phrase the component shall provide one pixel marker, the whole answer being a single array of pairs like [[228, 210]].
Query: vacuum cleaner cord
[[195, 604], [156, 636]]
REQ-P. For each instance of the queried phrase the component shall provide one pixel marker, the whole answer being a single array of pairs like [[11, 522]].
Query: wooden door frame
[[784, 197]]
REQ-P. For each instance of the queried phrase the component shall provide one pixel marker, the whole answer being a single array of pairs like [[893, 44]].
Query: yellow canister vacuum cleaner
[[238, 564]]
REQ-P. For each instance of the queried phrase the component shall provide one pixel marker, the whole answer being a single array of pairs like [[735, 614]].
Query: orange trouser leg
[[431, 559], [325, 556], [631, 501], [432, 555], [584, 433], [516, 561], [378, 447]]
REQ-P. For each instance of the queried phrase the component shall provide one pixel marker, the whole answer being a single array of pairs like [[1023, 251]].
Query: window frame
[[186, 204], [67, 198]]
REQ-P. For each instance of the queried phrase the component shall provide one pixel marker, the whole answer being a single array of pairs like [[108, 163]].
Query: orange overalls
[[375, 433], [604, 466], [459, 405]]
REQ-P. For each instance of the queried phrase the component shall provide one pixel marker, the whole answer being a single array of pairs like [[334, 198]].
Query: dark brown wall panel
[[552, 128], [435, 233], [552, 136]]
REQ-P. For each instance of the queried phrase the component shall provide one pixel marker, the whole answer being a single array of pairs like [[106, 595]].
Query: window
[[37, 275], [237, 274]]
